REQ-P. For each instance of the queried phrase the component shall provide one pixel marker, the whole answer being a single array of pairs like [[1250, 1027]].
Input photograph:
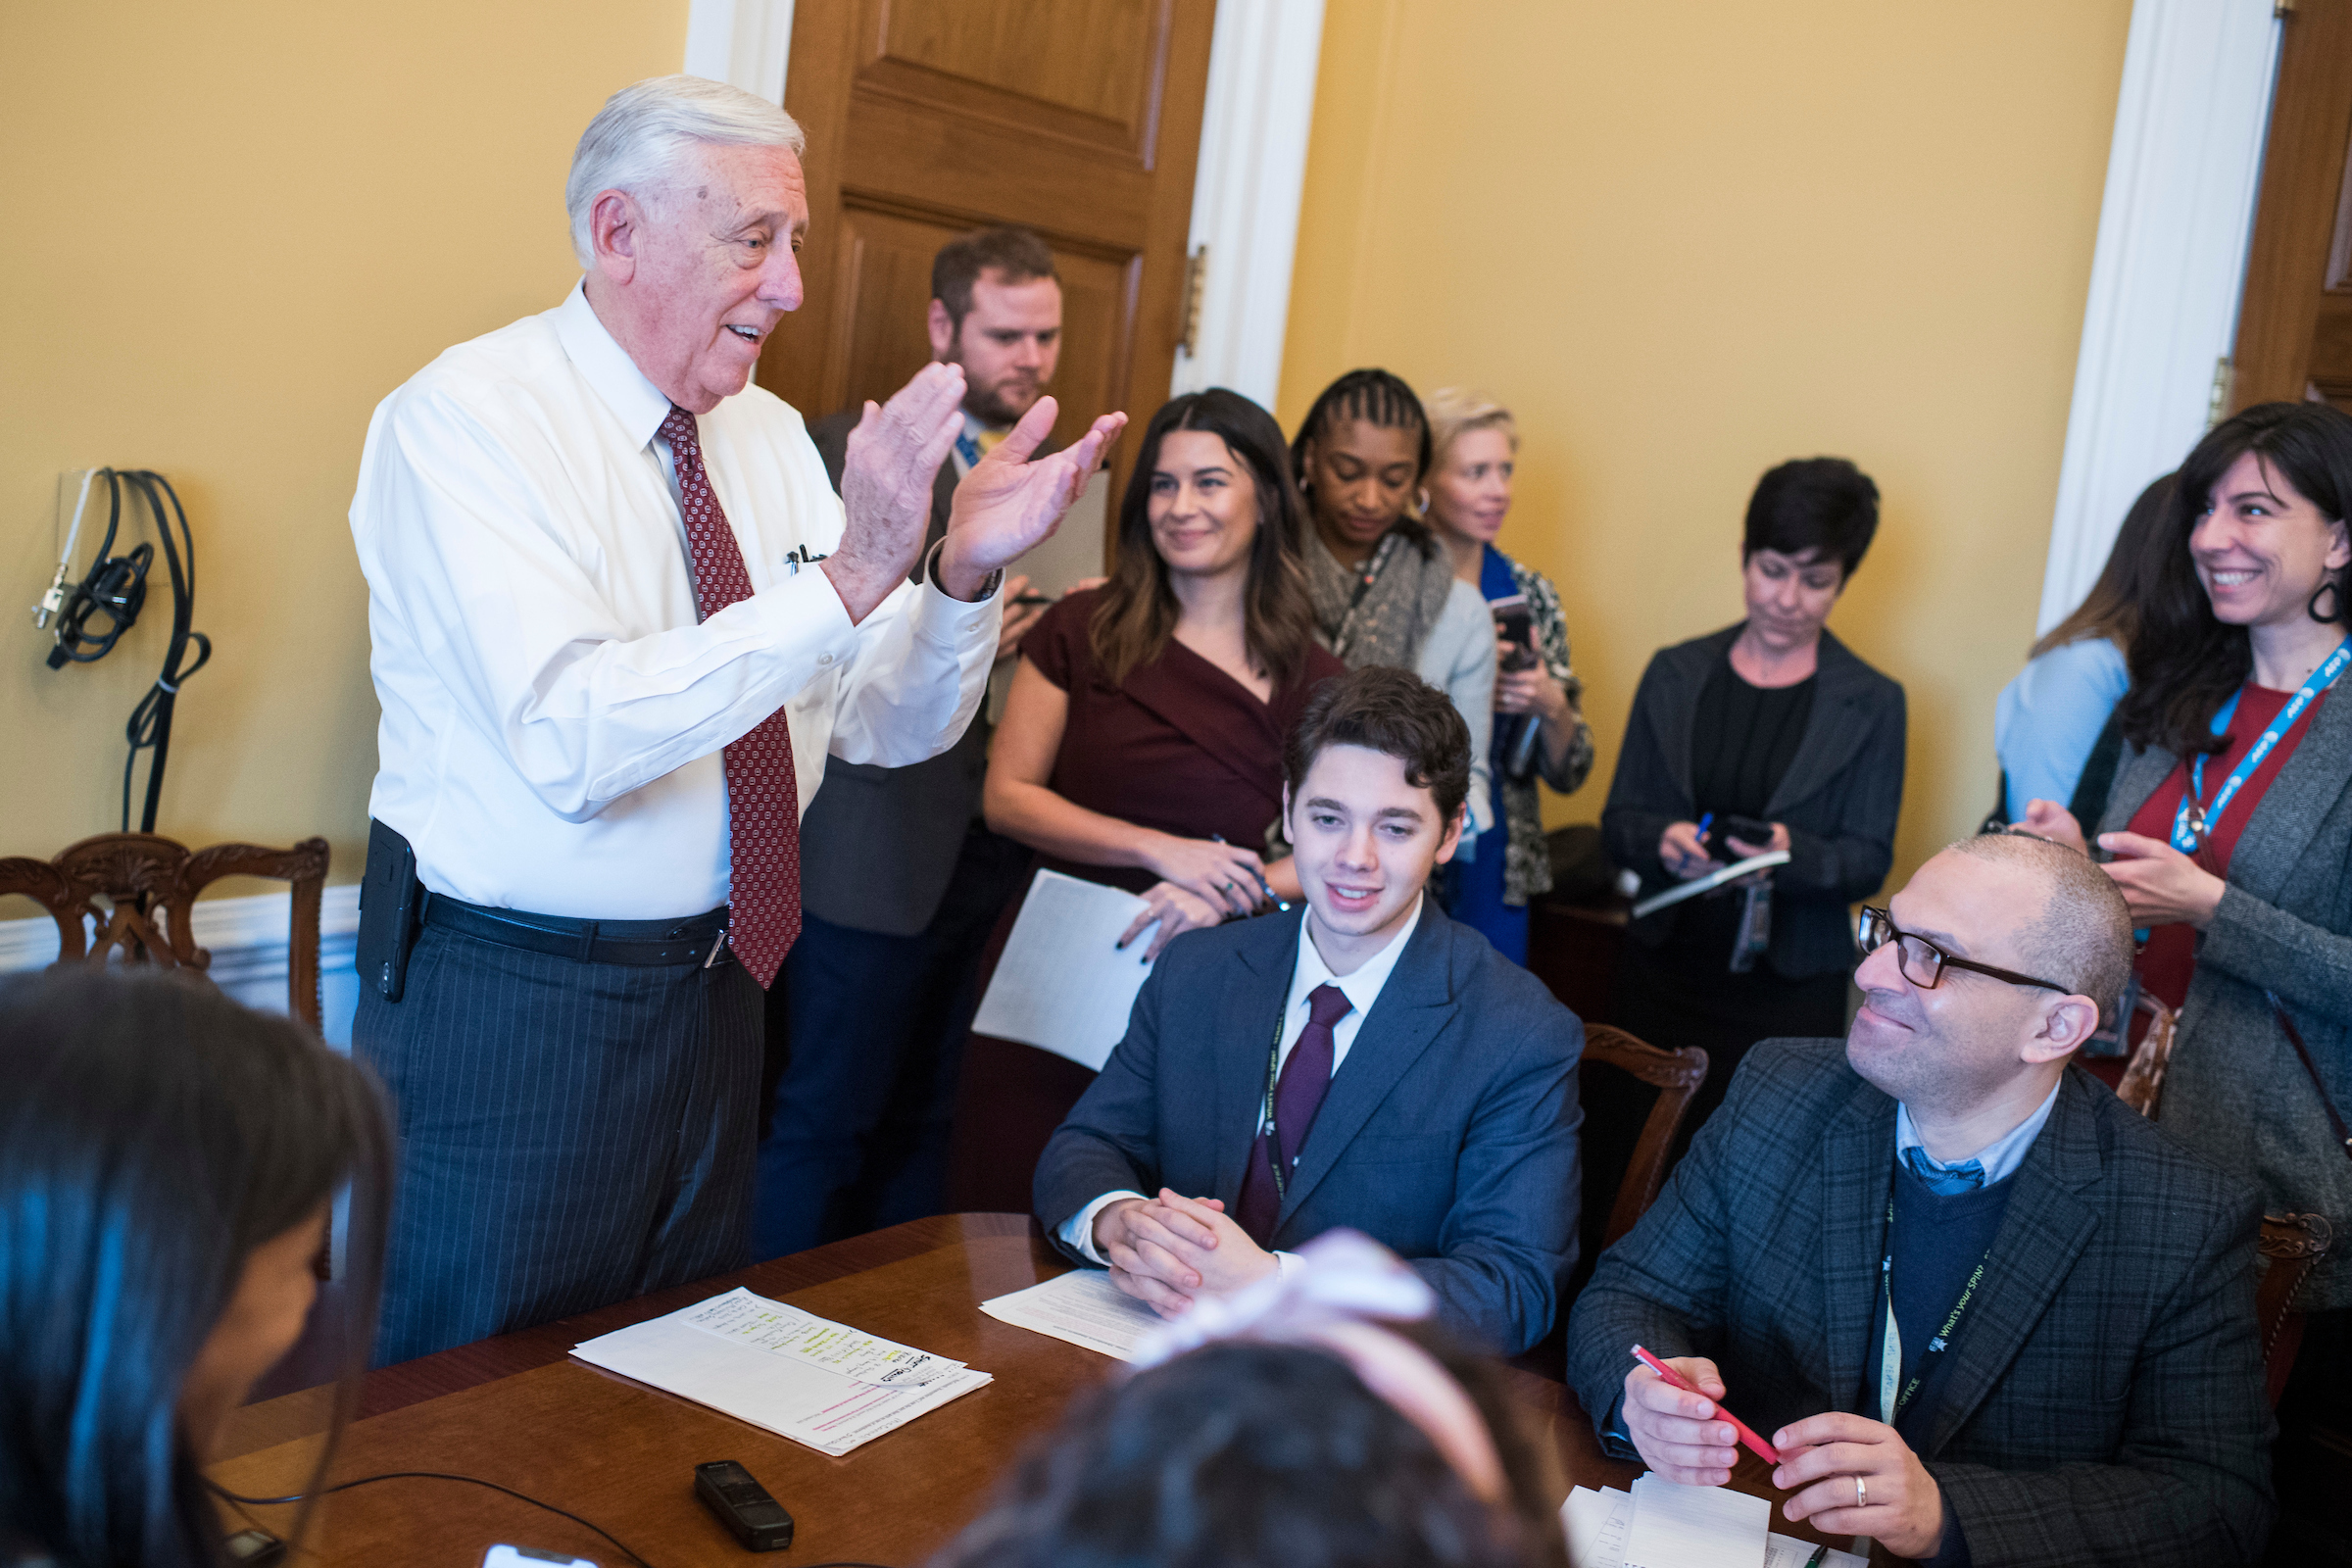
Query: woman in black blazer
[[1775, 724]]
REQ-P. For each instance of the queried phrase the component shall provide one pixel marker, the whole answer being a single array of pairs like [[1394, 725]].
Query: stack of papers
[[1064, 984], [798, 1376], [1661, 1525], [1081, 1307]]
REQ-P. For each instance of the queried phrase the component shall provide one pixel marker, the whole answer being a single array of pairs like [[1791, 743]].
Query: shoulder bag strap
[[2294, 1037]]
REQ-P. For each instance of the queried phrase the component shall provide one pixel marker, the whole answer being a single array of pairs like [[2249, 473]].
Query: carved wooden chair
[[131, 895], [2142, 1082], [1676, 1076], [2294, 1243]]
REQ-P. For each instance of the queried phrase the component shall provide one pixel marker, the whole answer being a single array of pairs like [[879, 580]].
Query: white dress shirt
[[553, 713], [1361, 987]]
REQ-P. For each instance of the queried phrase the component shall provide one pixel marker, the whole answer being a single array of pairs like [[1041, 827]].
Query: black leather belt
[[644, 944]]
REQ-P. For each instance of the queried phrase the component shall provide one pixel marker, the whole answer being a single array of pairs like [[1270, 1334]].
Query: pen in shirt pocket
[[1264, 885]]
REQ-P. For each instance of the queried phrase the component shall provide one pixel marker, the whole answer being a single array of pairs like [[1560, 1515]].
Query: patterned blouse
[[1527, 865]]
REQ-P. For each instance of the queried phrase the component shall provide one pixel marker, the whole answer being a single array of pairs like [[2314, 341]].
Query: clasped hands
[[1168, 1250], [1821, 1456], [1004, 506], [2162, 885]]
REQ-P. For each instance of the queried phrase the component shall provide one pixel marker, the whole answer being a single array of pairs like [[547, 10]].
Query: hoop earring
[[2335, 607]]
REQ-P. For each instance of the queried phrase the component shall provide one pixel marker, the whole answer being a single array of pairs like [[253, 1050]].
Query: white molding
[[1253, 131], [745, 42], [2182, 173], [247, 939]]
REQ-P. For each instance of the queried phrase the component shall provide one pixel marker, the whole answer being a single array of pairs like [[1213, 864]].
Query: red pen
[[1756, 1445]]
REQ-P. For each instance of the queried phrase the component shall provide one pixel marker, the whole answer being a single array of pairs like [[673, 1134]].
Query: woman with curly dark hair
[[2229, 826]]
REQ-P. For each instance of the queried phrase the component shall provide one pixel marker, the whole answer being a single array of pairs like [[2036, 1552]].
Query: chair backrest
[[2294, 1243], [135, 892], [2142, 1084], [1676, 1076]]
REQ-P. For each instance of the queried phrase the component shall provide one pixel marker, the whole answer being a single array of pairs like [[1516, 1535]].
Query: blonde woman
[[1538, 731]]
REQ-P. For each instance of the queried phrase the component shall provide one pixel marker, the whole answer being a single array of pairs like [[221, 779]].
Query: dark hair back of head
[[153, 1133], [1015, 255], [2112, 607], [1394, 711], [1823, 504], [1137, 613], [1237, 1455], [2185, 662]]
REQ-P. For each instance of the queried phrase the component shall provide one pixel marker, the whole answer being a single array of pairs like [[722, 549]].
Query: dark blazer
[[2105, 1400], [2235, 1091], [1839, 797], [877, 844], [1449, 1134]]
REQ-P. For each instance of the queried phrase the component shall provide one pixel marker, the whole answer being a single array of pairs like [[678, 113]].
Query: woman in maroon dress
[[1141, 742]]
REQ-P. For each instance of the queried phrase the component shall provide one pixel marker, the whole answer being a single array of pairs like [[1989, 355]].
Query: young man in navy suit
[[1364, 1062]]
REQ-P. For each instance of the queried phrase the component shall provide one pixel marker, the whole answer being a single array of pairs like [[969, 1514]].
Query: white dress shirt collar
[[638, 404], [1362, 985], [2000, 1157]]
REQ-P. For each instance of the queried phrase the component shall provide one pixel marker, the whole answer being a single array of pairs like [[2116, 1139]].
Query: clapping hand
[[1007, 504], [886, 475]]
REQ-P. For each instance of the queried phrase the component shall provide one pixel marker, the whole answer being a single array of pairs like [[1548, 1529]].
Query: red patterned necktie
[[1297, 1095], [763, 795]]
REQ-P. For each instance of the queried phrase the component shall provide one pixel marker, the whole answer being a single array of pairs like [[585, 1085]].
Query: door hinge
[[2224, 382], [1195, 286]]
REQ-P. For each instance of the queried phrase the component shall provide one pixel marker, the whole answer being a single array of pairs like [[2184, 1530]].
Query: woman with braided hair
[[1382, 582]]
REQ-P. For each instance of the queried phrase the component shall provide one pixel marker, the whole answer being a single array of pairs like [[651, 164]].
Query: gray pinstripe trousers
[[570, 1134]]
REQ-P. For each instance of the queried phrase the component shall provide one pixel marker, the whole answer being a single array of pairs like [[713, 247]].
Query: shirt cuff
[[1616, 1439], [1077, 1233], [1284, 1262]]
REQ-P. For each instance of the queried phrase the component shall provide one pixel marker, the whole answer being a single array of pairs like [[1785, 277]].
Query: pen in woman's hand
[[1264, 885]]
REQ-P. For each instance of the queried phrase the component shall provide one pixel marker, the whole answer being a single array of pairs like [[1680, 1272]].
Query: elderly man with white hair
[[620, 619]]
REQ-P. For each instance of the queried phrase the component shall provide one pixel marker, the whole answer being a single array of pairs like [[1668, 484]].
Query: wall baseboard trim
[[247, 939]]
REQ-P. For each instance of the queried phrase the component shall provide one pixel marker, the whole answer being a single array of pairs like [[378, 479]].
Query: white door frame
[[2174, 226], [1253, 165]]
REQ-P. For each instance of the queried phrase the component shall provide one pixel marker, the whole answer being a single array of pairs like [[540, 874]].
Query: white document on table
[[788, 1391], [1064, 984], [1598, 1522], [780, 1330], [1081, 1307], [1695, 1527]]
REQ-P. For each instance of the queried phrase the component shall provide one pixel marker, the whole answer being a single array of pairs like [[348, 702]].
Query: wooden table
[[517, 1412]]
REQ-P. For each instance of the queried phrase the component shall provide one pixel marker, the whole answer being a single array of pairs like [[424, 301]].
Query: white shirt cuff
[[1078, 1231], [953, 621], [1284, 1262]]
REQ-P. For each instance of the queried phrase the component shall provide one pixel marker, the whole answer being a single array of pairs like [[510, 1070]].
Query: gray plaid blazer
[[2105, 1403]]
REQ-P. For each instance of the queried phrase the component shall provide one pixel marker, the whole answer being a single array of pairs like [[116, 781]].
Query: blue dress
[[1477, 883]]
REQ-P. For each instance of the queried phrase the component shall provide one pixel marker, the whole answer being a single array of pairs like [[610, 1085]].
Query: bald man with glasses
[[1985, 1312]]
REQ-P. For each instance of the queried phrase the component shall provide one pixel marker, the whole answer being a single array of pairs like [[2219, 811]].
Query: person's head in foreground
[[1314, 1420], [168, 1160], [995, 309], [1375, 776]]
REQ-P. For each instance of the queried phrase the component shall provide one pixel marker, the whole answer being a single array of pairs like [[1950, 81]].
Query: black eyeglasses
[[1923, 962]]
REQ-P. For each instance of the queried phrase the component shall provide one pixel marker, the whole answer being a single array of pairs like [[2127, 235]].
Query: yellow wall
[[233, 228], [1685, 242]]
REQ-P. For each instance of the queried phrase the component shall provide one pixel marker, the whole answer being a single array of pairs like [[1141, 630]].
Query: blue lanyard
[[2193, 822]]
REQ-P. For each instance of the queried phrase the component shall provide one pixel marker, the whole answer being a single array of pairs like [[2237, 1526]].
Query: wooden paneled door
[[2294, 335], [1080, 119]]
